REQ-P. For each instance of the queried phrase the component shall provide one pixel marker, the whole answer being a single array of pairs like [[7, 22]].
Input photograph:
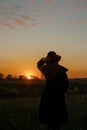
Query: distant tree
[[9, 76], [21, 77], [33, 77], [1, 76]]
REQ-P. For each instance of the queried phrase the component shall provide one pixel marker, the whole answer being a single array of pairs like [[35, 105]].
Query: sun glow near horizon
[[37, 74], [29, 77]]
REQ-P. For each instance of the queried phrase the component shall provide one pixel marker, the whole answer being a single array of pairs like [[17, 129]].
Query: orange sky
[[30, 29], [30, 68]]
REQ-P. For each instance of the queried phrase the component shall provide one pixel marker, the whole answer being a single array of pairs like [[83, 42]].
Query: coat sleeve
[[40, 63], [64, 82]]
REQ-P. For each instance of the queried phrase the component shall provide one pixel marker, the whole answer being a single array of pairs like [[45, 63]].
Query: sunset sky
[[29, 29]]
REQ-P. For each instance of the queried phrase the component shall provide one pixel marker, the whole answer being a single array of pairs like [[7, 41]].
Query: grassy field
[[19, 108]]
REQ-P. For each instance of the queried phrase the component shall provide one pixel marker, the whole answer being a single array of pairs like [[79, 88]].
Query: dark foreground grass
[[19, 113], [22, 113], [19, 105], [77, 111]]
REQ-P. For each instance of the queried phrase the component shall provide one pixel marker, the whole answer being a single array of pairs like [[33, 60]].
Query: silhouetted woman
[[52, 105]]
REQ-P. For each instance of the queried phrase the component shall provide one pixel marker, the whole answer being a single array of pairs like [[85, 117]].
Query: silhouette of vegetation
[[9, 77], [19, 102], [21, 77], [1, 76]]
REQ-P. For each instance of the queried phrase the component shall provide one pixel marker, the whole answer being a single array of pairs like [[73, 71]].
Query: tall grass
[[20, 112]]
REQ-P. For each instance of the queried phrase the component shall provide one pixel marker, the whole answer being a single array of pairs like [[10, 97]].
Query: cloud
[[57, 7], [15, 14], [18, 21], [47, 22], [6, 24], [82, 0], [86, 7], [25, 13], [28, 18], [74, 8], [33, 24], [82, 20], [47, 1]]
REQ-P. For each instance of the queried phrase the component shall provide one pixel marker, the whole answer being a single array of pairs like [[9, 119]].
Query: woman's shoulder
[[62, 68]]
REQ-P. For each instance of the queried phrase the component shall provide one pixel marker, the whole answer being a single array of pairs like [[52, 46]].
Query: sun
[[29, 77]]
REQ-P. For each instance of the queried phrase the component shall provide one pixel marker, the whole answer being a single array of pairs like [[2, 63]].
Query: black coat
[[52, 104]]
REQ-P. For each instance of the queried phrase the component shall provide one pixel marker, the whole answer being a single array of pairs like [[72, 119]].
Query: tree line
[[20, 77]]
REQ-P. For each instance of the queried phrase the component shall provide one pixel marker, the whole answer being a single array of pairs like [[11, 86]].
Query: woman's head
[[52, 57]]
